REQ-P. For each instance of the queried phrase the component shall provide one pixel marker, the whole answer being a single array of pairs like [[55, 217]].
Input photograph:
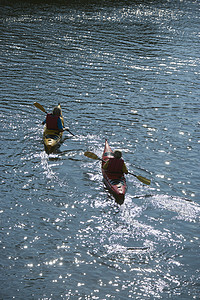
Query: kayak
[[117, 187], [52, 138]]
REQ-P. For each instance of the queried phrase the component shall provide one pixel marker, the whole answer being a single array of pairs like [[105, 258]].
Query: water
[[125, 71]]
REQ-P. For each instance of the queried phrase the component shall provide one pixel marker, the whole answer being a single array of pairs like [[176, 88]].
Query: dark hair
[[57, 111], [117, 154]]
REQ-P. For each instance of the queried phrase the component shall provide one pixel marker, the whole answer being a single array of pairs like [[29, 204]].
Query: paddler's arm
[[60, 126], [59, 123], [124, 169], [105, 166]]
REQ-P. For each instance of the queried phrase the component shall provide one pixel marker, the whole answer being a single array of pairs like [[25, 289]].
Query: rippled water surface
[[127, 71]]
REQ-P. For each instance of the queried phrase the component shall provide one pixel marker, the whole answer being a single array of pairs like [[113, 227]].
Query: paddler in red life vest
[[53, 121], [115, 166]]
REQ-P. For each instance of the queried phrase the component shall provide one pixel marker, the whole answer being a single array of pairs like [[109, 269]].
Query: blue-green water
[[126, 71]]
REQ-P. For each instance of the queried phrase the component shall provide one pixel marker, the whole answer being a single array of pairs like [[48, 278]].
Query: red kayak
[[117, 187]]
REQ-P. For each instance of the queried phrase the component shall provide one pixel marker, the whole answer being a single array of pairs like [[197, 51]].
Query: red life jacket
[[51, 122], [115, 166]]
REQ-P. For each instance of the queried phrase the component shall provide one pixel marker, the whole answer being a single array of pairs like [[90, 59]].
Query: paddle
[[141, 178], [38, 105]]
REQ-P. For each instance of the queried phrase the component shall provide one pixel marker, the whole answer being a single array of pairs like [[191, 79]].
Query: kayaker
[[53, 121], [116, 165]]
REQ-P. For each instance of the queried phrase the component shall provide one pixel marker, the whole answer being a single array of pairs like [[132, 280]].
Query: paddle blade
[[141, 178], [91, 155], [144, 180], [38, 105]]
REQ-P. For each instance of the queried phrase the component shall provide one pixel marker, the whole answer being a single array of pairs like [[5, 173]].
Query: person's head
[[117, 153], [56, 111]]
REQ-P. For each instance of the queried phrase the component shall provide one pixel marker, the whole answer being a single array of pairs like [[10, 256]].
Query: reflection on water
[[125, 72]]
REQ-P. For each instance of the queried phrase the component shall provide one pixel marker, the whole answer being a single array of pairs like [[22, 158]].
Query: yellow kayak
[[52, 138]]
